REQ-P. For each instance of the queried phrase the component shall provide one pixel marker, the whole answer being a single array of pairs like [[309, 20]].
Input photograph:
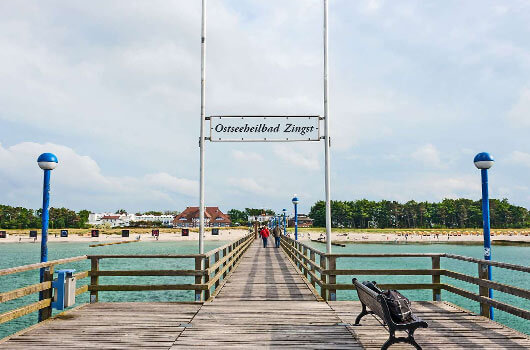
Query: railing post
[[304, 252], [207, 277], [224, 264], [312, 258], [230, 250], [94, 279], [332, 279], [198, 279], [323, 277], [483, 291], [436, 292], [46, 312], [217, 270]]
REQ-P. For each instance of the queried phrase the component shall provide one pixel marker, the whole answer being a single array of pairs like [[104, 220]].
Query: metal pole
[[45, 220], [296, 221], [201, 142], [284, 224], [326, 132], [486, 226]]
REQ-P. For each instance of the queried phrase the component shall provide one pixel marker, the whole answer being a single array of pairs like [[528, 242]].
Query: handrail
[[30, 267], [231, 254], [297, 252], [489, 262]]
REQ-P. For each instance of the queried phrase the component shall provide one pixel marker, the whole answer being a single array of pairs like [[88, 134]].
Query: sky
[[417, 88]]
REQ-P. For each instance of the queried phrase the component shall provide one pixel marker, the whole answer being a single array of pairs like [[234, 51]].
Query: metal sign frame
[[326, 137], [212, 139]]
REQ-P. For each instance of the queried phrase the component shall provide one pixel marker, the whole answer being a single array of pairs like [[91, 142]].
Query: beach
[[114, 235], [305, 234]]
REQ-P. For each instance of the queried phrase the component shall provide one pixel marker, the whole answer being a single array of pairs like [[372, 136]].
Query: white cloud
[[78, 181], [519, 158], [260, 186], [520, 112], [304, 158], [247, 156], [428, 155]]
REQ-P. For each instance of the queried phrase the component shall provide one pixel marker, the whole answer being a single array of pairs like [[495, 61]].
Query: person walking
[[277, 233], [264, 233]]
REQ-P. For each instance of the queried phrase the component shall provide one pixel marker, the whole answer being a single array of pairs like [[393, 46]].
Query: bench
[[377, 306]]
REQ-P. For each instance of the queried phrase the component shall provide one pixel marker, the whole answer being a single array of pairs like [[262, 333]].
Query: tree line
[[240, 217], [449, 213], [22, 218]]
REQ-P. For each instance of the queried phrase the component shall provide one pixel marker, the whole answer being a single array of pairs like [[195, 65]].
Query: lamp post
[[47, 162], [295, 202], [284, 225], [484, 161]]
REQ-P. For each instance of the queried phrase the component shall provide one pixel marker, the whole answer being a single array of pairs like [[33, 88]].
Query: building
[[213, 217], [123, 220], [303, 221], [262, 218]]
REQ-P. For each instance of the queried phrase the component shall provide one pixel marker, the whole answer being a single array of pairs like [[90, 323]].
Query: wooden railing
[[320, 269], [210, 271], [44, 287]]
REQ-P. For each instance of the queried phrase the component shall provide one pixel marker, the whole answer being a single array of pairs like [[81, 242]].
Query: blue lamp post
[[484, 161], [284, 225], [295, 202], [47, 162]]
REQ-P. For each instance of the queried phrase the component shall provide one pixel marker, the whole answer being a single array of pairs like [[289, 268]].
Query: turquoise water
[[519, 255], [26, 253], [17, 254]]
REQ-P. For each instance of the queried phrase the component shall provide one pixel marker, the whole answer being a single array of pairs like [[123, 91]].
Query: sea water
[[519, 255], [18, 254]]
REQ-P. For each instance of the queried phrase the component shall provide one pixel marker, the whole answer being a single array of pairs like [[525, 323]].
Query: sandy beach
[[145, 236], [229, 234]]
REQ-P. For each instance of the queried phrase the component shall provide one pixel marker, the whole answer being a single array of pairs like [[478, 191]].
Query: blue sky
[[417, 88]]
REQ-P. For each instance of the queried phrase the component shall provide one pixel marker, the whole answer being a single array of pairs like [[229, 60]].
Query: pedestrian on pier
[[277, 232], [264, 233]]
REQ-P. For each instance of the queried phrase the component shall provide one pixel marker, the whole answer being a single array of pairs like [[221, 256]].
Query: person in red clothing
[[264, 233]]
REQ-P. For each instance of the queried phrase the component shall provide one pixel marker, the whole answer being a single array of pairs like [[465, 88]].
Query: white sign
[[264, 128]]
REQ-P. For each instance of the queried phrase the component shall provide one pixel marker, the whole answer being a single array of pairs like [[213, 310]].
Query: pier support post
[[198, 279], [323, 277], [46, 312], [94, 279], [207, 277], [332, 278], [437, 292], [304, 252], [217, 269], [224, 264], [484, 291], [312, 258]]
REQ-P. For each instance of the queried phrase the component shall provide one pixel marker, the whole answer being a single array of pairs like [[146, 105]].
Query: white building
[[118, 220], [260, 218]]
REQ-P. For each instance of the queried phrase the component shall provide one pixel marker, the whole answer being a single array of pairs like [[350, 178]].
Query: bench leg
[[363, 313], [408, 340]]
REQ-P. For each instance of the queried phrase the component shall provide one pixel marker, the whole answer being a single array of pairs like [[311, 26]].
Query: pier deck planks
[[264, 304]]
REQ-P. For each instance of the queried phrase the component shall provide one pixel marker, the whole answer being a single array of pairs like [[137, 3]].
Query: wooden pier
[[261, 300]]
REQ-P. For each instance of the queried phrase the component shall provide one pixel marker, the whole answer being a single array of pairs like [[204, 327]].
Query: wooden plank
[[404, 286], [17, 293], [520, 292], [40, 265], [429, 272], [148, 273], [489, 262], [10, 315], [144, 287], [487, 301]]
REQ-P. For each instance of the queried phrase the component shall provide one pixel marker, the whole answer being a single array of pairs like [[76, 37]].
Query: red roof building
[[213, 217]]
